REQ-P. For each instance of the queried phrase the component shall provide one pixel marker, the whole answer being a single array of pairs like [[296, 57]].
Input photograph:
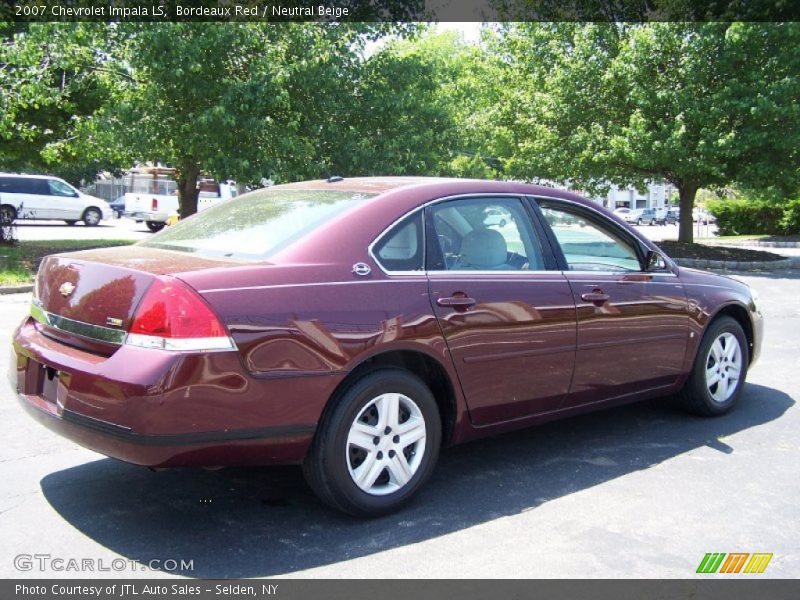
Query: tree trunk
[[686, 193], [187, 189]]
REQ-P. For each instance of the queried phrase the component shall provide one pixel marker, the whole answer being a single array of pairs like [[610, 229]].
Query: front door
[[633, 325], [509, 322]]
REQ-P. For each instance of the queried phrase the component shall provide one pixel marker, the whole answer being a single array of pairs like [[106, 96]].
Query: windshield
[[256, 225]]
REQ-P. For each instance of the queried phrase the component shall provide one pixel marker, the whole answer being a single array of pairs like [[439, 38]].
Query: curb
[[16, 289], [759, 243], [740, 265]]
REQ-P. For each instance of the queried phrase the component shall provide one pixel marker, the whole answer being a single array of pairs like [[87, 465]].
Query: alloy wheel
[[723, 367]]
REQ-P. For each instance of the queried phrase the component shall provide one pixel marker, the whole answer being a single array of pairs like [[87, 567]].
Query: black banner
[[400, 10], [699, 589]]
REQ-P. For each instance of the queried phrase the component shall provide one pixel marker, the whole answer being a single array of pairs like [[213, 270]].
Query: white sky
[[471, 32]]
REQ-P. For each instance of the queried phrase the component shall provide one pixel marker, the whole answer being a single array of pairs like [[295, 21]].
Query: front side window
[[589, 246], [59, 188], [482, 234], [256, 225]]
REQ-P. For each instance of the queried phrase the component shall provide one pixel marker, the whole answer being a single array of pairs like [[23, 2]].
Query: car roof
[[29, 176], [443, 185]]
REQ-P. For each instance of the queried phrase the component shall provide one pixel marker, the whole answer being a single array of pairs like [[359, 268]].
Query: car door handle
[[596, 295], [457, 302]]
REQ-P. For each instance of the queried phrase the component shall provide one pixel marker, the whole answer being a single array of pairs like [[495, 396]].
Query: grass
[[22, 260]]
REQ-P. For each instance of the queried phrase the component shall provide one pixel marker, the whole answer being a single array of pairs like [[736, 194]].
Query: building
[[656, 195]]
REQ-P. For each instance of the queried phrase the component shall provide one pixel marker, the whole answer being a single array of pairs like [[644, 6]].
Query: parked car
[[118, 206], [496, 217], [673, 216], [622, 211], [646, 216], [156, 209], [701, 216], [357, 326], [47, 198]]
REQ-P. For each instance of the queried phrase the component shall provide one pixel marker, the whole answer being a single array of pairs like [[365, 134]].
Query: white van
[[45, 197]]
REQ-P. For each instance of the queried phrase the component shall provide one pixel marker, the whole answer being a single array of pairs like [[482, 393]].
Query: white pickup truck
[[155, 209]]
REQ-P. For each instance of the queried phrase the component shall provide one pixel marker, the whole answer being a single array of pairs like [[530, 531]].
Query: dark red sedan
[[356, 325]]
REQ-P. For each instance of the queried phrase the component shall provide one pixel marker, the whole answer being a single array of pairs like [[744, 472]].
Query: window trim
[[376, 259], [373, 255], [537, 237]]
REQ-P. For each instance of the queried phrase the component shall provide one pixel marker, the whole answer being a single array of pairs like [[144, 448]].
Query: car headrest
[[484, 249]]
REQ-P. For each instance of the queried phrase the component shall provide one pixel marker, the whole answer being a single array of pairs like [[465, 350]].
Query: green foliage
[[739, 217], [790, 223], [55, 82], [241, 101], [696, 104]]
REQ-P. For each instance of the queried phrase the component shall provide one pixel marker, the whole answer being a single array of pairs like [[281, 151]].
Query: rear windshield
[[256, 225]]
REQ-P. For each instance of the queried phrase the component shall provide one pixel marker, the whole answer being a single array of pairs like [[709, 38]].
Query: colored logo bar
[[734, 562]]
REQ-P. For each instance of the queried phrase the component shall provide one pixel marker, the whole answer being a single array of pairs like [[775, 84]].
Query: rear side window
[[257, 225], [23, 185], [401, 248]]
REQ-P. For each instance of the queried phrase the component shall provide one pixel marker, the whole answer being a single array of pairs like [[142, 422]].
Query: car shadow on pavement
[[265, 521]]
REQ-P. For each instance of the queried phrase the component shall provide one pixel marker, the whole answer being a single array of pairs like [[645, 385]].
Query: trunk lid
[[103, 287]]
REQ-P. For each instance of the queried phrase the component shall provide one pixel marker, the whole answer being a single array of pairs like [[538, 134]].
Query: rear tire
[[154, 226], [376, 446], [8, 214], [92, 216], [720, 367], [70, 222]]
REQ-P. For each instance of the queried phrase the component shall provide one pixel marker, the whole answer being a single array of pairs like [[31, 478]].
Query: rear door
[[507, 316], [633, 325]]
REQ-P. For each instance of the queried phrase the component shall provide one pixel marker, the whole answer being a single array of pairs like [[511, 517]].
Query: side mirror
[[655, 261]]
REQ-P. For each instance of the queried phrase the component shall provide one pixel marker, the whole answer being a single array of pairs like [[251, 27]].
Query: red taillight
[[174, 317], [154, 205]]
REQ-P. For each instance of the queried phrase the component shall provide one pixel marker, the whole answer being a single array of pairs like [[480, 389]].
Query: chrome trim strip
[[86, 330], [420, 274]]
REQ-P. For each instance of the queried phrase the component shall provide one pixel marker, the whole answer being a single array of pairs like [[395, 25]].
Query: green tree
[[55, 82], [696, 104], [414, 112], [242, 101]]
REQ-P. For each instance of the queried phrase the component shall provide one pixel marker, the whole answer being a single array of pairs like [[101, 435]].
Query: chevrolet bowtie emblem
[[66, 288]]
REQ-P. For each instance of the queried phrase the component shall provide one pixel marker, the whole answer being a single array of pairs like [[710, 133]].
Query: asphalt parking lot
[[110, 229], [639, 491]]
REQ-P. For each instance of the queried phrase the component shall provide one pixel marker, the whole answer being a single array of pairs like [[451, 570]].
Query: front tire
[[70, 222], [377, 446], [720, 367], [91, 217]]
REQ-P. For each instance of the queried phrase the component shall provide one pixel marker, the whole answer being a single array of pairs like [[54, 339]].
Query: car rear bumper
[[163, 409], [158, 217]]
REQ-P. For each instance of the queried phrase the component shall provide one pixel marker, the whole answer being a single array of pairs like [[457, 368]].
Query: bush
[[791, 218], [740, 217]]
